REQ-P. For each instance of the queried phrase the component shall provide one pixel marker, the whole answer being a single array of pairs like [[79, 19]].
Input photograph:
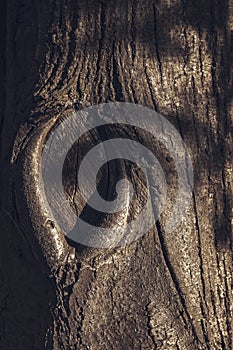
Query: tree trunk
[[165, 290]]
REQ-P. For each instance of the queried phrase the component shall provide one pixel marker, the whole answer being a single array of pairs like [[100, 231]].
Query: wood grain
[[165, 291]]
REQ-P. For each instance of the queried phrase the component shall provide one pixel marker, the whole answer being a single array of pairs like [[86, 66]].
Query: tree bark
[[166, 290]]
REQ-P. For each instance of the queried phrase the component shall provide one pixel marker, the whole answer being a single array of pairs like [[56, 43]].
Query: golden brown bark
[[164, 291]]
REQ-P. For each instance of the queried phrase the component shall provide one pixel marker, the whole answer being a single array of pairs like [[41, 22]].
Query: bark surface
[[164, 291]]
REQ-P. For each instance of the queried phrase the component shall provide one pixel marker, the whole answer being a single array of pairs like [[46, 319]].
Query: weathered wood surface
[[163, 291]]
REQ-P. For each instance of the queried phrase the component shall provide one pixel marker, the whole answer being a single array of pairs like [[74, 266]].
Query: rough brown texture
[[163, 291]]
